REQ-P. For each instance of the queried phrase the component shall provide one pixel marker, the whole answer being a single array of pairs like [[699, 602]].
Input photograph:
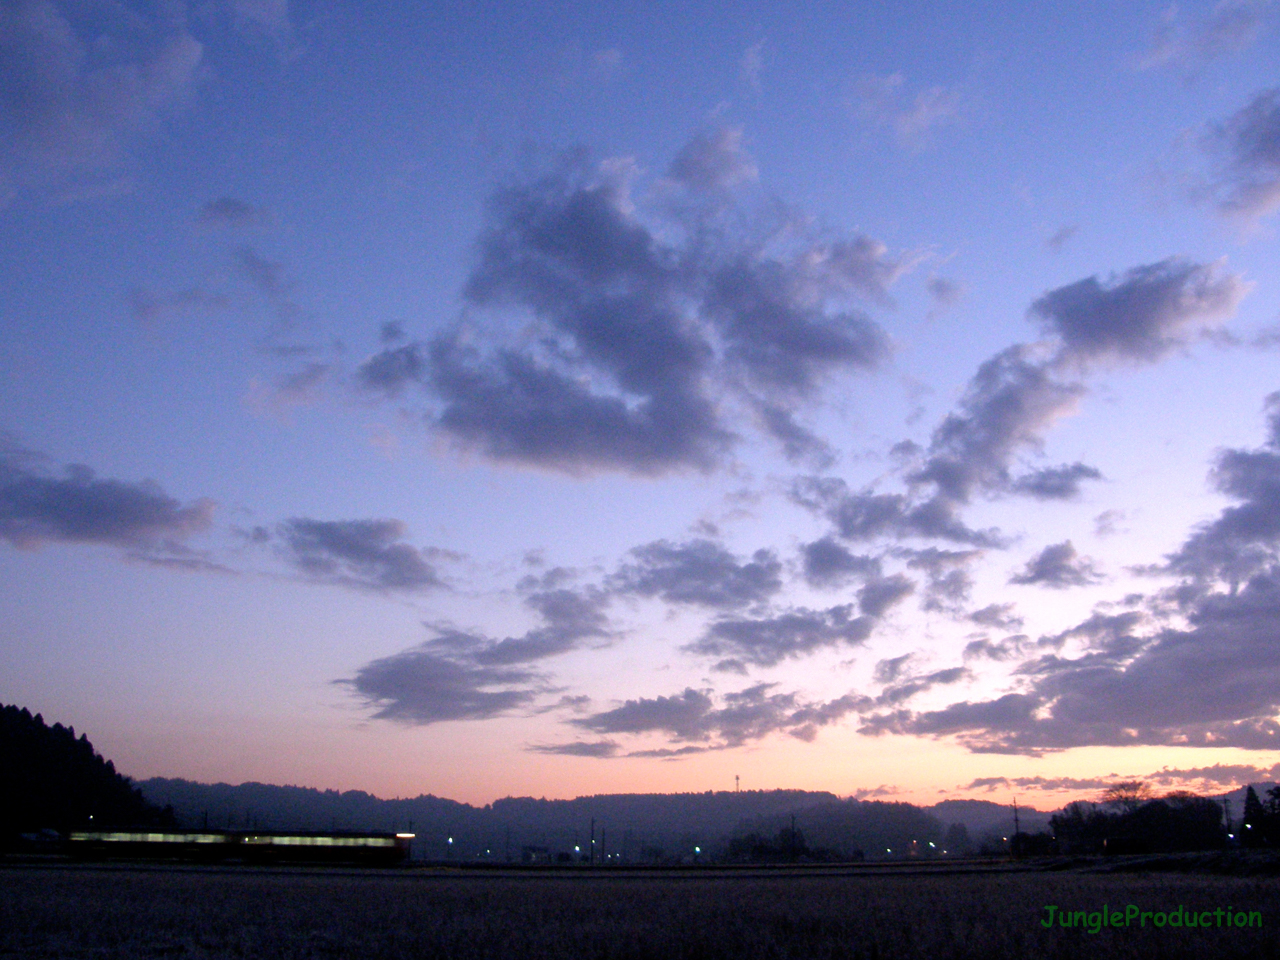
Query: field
[[127, 911]]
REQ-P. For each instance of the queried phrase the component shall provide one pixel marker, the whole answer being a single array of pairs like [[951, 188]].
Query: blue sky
[[579, 399]]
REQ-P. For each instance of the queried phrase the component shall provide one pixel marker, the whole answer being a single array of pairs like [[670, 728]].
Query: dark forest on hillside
[[52, 779]]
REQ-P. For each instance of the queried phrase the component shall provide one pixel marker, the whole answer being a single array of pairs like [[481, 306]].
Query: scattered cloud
[[1055, 483], [1242, 540], [739, 718], [598, 749], [38, 508], [913, 119], [829, 564], [1010, 403], [1246, 184], [713, 160], [1141, 316], [1191, 45], [462, 675], [698, 572], [1059, 238], [1000, 615], [359, 553], [422, 686], [1058, 566], [766, 641]]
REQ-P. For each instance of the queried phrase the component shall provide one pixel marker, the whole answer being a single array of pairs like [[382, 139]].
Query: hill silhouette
[[635, 827], [52, 779]]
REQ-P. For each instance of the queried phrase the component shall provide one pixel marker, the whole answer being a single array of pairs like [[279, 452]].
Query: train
[[245, 846]]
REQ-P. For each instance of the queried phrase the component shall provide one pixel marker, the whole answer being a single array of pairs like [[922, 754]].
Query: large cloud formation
[[1201, 667], [1016, 396], [601, 339]]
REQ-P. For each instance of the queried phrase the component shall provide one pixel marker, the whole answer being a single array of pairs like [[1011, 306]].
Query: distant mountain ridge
[[633, 825]]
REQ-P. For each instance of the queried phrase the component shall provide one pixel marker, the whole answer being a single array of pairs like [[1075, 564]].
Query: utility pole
[[1013, 848], [737, 784]]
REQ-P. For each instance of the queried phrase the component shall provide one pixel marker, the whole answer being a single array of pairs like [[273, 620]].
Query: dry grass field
[[106, 912]]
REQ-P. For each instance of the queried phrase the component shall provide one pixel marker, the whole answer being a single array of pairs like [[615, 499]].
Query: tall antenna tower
[[737, 785]]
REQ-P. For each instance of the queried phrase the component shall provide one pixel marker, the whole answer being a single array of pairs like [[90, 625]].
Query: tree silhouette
[[50, 778]]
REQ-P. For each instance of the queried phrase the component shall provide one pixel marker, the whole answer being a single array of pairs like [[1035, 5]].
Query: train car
[[208, 845], [371, 849]]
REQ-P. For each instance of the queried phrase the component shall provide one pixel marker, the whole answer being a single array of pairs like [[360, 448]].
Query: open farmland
[[108, 911]]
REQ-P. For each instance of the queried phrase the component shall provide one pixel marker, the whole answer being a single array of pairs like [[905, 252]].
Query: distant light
[[577, 849], [406, 836], [887, 850], [1231, 836], [697, 849], [932, 844]]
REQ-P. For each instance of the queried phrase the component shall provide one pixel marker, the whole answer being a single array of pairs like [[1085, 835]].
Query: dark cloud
[[570, 617], [37, 508], [1055, 483], [76, 86], [391, 370], [798, 444], [361, 553], [1142, 315], [1214, 682], [879, 594], [422, 686], [999, 615], [905, 689], [458, 675], [828, 564], [740, 718], [949, 583], [1244, 538], [985, 649], [580, 748], [1248, 181], [766, 641], [600, 339], [867, 516], [890, 669], [514, 409], [1058, 566], [1010, 402], [230, 212], [699, 572]]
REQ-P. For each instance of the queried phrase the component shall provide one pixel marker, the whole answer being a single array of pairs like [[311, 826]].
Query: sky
[[558, 399]]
